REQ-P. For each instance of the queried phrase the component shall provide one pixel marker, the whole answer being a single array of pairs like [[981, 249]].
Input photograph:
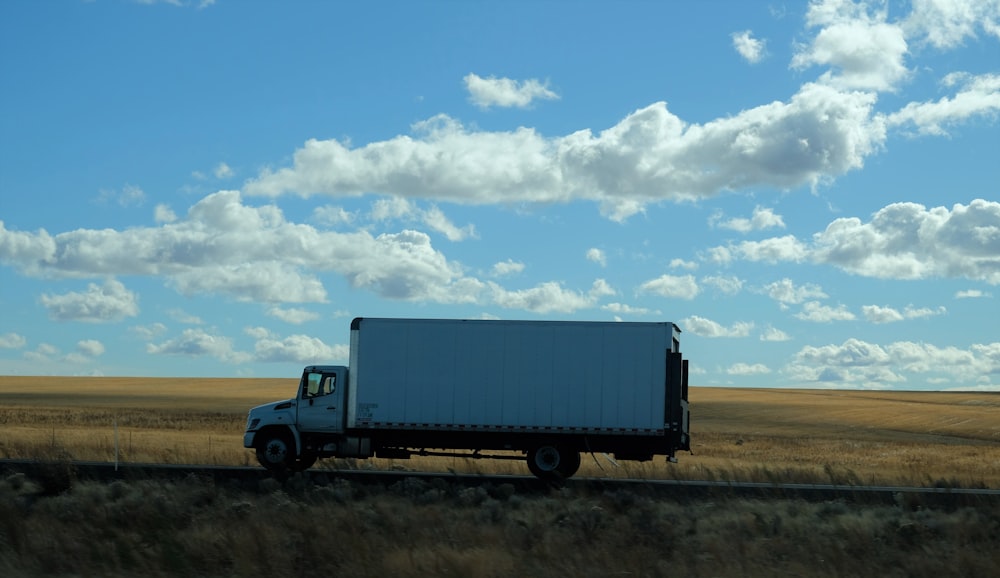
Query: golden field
[[807, 436]]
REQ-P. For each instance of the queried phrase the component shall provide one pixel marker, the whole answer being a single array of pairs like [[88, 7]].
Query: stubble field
[[809, 436], [327, 526]]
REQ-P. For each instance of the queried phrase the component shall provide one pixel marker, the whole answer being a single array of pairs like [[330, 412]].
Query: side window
[[329, 384], [313, 385]]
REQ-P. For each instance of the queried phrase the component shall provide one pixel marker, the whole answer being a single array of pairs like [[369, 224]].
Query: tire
[[276, 451], [551, 462]]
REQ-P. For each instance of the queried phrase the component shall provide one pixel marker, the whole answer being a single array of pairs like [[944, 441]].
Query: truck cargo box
[[483, 375]]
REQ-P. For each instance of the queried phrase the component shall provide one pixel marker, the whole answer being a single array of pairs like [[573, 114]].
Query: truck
[[542, 391]]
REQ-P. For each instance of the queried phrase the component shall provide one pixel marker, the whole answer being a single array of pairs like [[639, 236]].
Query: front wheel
[[276, 451]]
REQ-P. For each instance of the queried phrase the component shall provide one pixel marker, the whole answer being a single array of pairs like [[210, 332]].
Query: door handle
[[331, 407]]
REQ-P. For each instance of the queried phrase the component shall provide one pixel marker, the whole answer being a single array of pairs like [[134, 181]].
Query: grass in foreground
[[416, 528]]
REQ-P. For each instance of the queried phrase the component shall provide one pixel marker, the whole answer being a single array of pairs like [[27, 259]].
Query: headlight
[[252, 423]]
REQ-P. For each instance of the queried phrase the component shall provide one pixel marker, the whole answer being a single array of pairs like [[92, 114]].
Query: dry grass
[[417, 528], [808, 436]]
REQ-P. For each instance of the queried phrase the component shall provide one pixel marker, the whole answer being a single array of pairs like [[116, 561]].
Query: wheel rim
[[547, 459], [276, 451]]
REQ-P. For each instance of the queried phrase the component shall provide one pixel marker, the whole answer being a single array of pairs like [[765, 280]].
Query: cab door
[[321, 402]]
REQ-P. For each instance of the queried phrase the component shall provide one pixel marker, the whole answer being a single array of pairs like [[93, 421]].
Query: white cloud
[[128, 196], [199, 343], [763, 218], [908, 241], [879, 314], [548, 297], [398, 208], [90, 348], [148, 332], [947, 23], [99, 304], [597, 256], [301, 349], [751, 49], [708, 328], [222, 171], [902, 241], [748, 369], [773, 334], [772, 250], [727, 285], [293, 315], [505, 92], [623, 309], [819, 313], [864, 50], [682, 264], [12, 341], [972, 294], [672, 286], [164, 214], [979, 96], [333, 216], [649, 156], [857, 363], [786, 292], [508, 267]]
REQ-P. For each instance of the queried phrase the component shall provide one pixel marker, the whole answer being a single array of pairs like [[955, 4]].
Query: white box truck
[[547, 390]]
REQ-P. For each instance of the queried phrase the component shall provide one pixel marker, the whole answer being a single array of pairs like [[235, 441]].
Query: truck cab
[[291, 434]]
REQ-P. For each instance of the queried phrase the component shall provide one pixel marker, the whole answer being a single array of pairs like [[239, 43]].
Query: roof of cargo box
[[356, 323]]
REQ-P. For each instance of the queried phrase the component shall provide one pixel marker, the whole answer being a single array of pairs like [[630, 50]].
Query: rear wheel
[[276, 451], [553, 462]]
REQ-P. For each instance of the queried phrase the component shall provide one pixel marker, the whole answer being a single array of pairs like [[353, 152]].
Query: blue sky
[[809, 190]]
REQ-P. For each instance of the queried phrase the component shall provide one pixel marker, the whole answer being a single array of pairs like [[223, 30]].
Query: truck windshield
[[317, 384]]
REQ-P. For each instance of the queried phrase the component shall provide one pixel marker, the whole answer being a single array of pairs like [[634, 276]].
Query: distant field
[[808, 436]]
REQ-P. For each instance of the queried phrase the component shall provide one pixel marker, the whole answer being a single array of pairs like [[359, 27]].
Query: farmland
[[821, 436], [329, 526]]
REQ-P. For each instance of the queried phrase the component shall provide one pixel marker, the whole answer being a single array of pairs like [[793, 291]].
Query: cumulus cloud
[[751, 49], [762, 218], [972, 294], [727, 285], [817, 312], [398, 208], [508, 267], [99, 304], [649, 156], [299, 349], [672, 287], [879, 314], [978, 96], [909, 241], [786, 292], [293, 315], [624, 309], [773, 334], [708, 328], [549, 297], [199, 343], [90, 348], [863, 50], [597, 256], [947, 24], [505, 92], [748, 369], [901, 241], [12, 341], [857, 363]]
